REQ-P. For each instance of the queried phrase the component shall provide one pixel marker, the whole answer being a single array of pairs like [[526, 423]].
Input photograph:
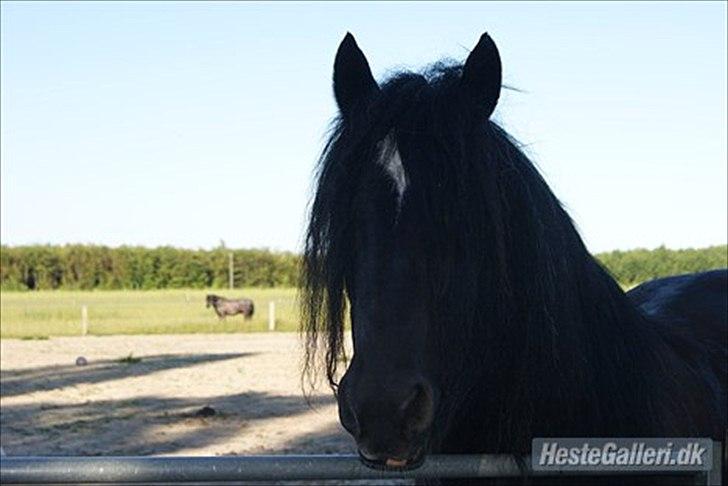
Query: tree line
[[131, 267], [636, 266], [38, 267]]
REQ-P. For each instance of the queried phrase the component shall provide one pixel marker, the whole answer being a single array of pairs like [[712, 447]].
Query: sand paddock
[[151, 402]]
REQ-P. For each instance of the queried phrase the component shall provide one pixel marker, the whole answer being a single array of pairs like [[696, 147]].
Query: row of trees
[[635, 266], [91, 267], [100, 267]]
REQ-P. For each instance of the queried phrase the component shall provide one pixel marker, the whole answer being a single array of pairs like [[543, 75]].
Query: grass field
[[38, 315]]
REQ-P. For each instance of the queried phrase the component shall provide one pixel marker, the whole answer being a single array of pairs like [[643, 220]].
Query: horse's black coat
[[479, 318]]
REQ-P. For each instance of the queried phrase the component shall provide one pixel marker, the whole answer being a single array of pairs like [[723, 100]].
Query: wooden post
[[271, 315], [231, 271], [84, 320]]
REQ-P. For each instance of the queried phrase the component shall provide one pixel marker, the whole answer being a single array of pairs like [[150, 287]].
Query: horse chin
[[393, 464]]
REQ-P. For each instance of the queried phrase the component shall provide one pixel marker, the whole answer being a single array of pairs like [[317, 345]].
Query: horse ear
[[482, 74], [353, 80]]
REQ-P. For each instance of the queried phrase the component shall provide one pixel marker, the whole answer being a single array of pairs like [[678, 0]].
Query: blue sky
[[185, 124]]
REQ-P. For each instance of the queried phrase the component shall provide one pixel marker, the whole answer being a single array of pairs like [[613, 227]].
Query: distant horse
[[230, 307], [479, 319]]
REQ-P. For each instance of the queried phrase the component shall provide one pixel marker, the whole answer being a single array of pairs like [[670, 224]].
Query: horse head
[[379, 235], [211, 300]]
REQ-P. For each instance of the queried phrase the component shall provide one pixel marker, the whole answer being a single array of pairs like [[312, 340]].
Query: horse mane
[[562, 325]]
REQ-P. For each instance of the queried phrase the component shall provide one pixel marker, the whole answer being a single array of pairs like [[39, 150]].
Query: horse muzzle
[[388, 462]]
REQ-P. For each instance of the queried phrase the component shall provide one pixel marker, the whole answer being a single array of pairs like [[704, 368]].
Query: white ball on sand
[[81, 361]]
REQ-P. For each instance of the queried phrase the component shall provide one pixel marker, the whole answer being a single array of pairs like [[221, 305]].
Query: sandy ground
[[51, 406]]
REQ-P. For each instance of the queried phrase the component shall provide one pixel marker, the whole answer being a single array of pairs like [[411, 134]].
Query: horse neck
[[564, 351], [571, 365], [559, 294]]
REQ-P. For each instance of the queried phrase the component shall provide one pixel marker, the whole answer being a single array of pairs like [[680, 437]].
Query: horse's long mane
[[532, 316]]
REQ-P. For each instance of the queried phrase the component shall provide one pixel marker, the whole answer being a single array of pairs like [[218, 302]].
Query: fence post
[[271, 315], [231, 271], [84, 320]]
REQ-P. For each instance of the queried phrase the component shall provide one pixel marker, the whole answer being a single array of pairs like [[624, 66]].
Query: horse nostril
[[417, 410]]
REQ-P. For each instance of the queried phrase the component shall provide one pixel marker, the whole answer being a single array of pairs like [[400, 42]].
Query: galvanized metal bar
[[100, 470], [236, 469]]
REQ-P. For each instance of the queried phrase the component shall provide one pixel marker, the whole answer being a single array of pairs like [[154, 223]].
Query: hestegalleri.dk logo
[[590, 454]]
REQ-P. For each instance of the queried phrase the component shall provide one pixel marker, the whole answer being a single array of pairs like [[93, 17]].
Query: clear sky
[[188, 123]]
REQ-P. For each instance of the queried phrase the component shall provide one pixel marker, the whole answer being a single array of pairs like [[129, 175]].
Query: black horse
[[230, 307], [479, 318]]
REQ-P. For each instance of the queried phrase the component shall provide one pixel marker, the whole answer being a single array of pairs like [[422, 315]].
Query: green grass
[[37, 315]]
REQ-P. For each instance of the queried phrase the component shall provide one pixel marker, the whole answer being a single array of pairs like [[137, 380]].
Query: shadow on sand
[[150, 424], [55, 428], [19, 381]]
